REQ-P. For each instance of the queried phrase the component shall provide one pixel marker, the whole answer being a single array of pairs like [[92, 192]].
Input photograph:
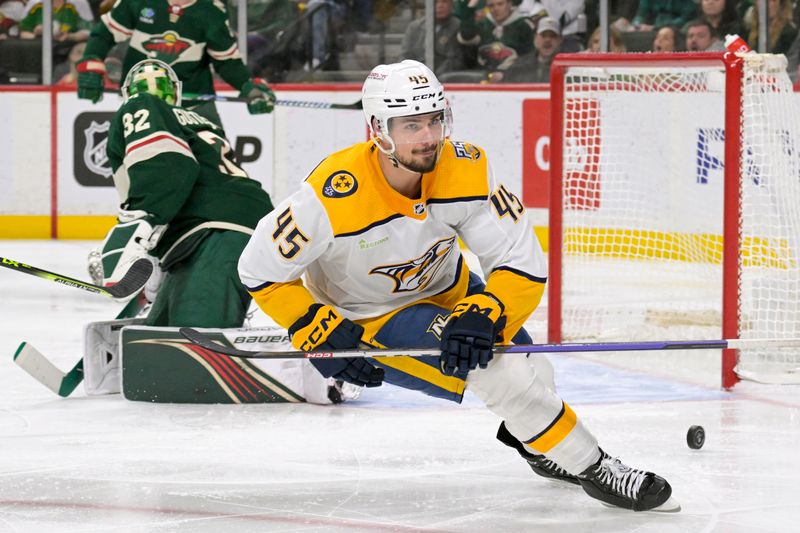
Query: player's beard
[[422, 163]]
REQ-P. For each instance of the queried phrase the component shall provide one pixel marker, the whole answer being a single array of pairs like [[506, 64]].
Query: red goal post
[[672, 183]]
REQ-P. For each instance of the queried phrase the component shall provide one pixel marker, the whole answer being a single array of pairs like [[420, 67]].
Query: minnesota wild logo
[[167, 47]]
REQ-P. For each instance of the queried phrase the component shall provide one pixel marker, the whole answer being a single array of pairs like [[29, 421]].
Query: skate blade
[[669, 506]]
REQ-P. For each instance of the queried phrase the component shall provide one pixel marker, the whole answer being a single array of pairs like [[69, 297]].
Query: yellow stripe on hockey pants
[[556, 432]]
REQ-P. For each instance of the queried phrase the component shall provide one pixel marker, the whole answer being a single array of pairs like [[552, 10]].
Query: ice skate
[[615, 483], [538, 463]]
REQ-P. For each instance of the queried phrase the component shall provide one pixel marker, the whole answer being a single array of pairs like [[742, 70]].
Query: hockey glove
[[469, 335], [323, 328], [128, 241], [260, 98], [91, 74]]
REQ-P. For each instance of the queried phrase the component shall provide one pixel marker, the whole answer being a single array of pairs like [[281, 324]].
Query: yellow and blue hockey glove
[[468, 337], [91, 77], [260, 98], [323, 328]]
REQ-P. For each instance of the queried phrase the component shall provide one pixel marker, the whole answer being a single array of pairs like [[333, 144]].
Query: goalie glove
[[468, 337], [131, 239], [260, 98], [91, 77], [323, 328]]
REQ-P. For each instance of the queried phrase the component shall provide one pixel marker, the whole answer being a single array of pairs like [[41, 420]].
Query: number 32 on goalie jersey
[[288, 236]]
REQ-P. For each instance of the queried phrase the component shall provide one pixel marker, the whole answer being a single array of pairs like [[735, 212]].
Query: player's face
[[418, 139]]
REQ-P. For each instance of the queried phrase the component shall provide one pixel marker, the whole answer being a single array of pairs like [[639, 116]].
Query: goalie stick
[[42, 370], [131, 283], [208, 343]]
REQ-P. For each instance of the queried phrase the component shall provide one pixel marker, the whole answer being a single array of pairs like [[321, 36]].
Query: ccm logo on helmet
[[424, 96]]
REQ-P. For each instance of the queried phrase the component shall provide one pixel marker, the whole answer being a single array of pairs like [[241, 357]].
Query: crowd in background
[[486, 41]]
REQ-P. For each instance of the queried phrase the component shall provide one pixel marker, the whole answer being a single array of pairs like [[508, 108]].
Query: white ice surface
[[392, 461]]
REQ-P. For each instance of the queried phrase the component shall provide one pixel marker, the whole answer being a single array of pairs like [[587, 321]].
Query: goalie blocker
[[158, 365]]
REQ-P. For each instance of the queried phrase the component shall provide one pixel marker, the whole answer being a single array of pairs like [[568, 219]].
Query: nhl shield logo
[[94, 152], [91, 165]]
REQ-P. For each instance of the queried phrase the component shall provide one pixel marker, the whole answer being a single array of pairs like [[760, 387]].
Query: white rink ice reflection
[[391, 461]]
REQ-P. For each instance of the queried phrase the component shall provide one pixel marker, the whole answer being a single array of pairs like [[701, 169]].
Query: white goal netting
[[643, 212]]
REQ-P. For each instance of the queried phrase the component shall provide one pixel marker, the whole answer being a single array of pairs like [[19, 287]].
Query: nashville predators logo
[[339, 184], [466, 151], [167, 47], [437, 325], [417, 274]]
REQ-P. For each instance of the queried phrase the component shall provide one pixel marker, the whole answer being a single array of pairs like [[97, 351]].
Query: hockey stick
[[42, 370], [355, 106], [193, 99], [209, 343], [132, 282]]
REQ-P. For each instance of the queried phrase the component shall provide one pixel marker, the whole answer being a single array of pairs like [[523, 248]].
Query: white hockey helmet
[[399, 90]]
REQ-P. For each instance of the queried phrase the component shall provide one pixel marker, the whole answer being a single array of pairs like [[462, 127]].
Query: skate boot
[[340, 391], [614, 483], [538, 463]]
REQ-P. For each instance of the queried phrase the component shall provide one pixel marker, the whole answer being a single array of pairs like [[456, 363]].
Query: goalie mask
[[405, 89], [154, 77]]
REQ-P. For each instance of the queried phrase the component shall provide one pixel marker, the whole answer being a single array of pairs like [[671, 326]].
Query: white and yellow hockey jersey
[[370, 251]]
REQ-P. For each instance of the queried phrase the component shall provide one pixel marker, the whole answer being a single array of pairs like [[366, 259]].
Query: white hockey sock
[[534, 413]]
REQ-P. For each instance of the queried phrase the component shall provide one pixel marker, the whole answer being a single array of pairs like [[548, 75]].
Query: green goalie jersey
[[189, 38], [177, 167]]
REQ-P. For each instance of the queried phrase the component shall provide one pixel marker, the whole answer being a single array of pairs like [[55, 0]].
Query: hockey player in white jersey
[[366, 252]]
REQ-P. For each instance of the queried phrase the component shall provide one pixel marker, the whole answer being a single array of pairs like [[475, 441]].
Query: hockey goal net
[[675, 203]]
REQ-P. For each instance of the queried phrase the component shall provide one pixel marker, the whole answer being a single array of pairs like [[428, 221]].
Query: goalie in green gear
[[185, 202]]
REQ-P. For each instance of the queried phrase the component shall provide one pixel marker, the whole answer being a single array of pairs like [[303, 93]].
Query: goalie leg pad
[[158, 365], [101, 355]]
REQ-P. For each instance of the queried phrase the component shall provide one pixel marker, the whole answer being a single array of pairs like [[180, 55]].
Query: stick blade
[[42, 370], [133, 281]]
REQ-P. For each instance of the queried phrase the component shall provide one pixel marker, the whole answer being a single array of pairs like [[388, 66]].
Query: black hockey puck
[[696, 437]]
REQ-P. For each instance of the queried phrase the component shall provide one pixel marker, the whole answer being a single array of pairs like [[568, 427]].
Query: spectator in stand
[[701, 37], [72, 20], [615, 45], [66, 73], [621, 13], [269, 36], [326, 23], [723, 17], [569, 14], [667, 40], [11, 12], [448, 52], [657, 13], [534, 67], [782, 31], [501, 35]]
